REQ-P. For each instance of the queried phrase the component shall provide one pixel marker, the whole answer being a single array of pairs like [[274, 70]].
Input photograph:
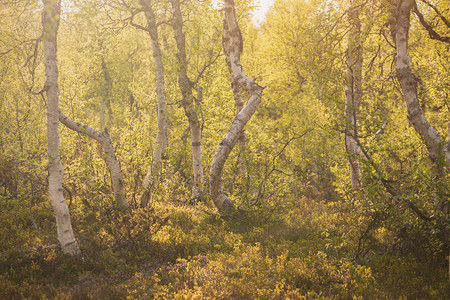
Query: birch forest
[[201, 149]]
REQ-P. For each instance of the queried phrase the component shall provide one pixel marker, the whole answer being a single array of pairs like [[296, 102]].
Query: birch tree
[[106, 95], [191, 108], [437, 151], [353, 91], [161, 142], [238, 104], [113, 164], [232, 44], [50, 24]]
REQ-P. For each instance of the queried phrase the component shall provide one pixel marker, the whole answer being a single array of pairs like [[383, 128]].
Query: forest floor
[[179, 251]]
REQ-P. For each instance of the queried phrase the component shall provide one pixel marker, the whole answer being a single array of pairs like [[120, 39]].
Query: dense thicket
[[338, 185]]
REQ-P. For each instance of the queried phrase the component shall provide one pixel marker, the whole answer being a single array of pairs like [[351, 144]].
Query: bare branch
[[274, 169], [206, 66], [388, 187], [131, 19], [433, 34], [444, 19]]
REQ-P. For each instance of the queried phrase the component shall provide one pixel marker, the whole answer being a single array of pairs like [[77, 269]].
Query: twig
[[261, 185], [444, 19], [433, 34], [70, 194]]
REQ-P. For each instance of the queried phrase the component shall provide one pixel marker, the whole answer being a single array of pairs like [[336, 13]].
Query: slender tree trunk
[[191, 110], [161, 142], [232, 43], [50, 23], [400, 23], [353, 92], [111, 159], [239, 104], [106, 96]]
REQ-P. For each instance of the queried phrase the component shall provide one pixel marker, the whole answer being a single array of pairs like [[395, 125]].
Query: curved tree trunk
[[111, 159], [239, 104], [232, 43], [191, 110], [353, 93], [50, 23], [400, 23], [161, 142]]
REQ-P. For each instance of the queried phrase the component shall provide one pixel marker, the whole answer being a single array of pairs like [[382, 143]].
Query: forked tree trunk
[[232, 43], [353, 93], [111, 159], [161, 142], [50, 24], [400, 23], [191, 110]]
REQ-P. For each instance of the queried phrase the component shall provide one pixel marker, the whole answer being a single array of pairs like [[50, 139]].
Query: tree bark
[[400, 23], [353, 93], [239, 104], [106, 96], [111, 159], [232, 43], [161, 142], [191, 110], [50, 24]]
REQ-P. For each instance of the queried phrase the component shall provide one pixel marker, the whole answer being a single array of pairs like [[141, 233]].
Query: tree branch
[[113, 164], [261, 185], [205, 67], [433, 34], [387, 185], [131, 19], [444, 19]]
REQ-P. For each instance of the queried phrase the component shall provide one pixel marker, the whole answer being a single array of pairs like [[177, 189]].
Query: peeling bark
[[239, 104], [232, 43], [50, 23], [400, 23], [111, 159], [161, 142], [353, 93], [191, 110]]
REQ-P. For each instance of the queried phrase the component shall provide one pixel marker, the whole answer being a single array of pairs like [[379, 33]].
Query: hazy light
[[259, 15]]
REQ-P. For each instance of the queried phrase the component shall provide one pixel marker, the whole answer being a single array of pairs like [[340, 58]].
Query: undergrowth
[[189, 252]]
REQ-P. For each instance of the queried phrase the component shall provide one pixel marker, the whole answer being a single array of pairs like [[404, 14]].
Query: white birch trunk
[[161, 142], [232, 43], [433, 140], [353, 93], [239, 104], [50, 23], [113, 164], [191, 110]]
